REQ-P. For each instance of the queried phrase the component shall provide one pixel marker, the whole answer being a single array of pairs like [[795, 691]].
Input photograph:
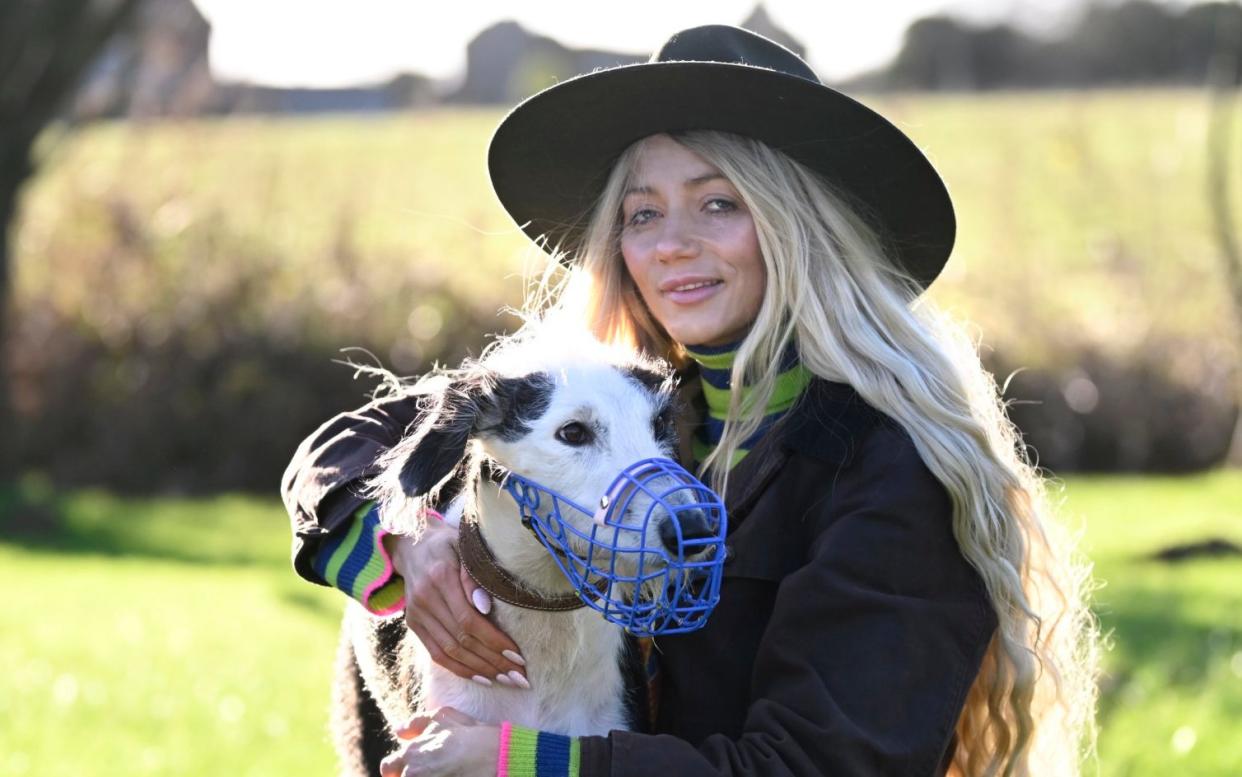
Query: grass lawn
[[169, 636], [1172, 693], [164, 637]]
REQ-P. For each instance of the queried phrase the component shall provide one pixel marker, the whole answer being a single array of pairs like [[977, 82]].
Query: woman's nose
[[676, 239]]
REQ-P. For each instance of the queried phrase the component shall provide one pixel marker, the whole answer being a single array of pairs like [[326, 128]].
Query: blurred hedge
[[1097, 413], [184, 290], [211, 381], [205, 380]]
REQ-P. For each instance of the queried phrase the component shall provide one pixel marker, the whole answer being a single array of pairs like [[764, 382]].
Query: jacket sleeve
[[353, 559], [320, 487], [871, 648]]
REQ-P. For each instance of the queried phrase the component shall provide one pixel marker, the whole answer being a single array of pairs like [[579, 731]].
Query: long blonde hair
[[858, 319]]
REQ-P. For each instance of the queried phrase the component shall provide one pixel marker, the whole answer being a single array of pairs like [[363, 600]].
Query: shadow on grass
[[1157, 641], [105, 544], [327, 608], [36, 520]]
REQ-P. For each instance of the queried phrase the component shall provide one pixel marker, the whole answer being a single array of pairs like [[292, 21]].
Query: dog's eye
[[661, 426], [574, 433]]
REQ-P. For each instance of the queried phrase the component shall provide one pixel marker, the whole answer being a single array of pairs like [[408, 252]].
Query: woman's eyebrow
[[698, 180]]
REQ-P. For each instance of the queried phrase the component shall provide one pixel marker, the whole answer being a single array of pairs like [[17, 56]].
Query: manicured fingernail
[[482, 602], [481, 680], [517, 678], [409, 724], [504, 680], [514, 657]]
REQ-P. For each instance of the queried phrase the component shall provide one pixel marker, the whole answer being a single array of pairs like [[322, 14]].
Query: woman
[[898, 600]]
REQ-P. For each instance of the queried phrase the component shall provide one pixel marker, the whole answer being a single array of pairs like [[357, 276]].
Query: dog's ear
[[427, 457], [480, 402]]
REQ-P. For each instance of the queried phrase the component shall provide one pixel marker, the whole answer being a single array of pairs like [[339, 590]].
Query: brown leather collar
[[487, 572]]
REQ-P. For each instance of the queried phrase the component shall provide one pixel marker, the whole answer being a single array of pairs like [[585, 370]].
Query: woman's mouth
[[690, 292]]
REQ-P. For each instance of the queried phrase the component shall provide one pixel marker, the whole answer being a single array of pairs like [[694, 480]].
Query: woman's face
[[690, 245]]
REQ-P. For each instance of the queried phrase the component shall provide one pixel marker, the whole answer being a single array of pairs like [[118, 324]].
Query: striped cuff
[[357, 563], [526, 752]]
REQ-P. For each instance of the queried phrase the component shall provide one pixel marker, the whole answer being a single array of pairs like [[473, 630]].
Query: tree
[[1223, 78], [934, 55], [45, 47]]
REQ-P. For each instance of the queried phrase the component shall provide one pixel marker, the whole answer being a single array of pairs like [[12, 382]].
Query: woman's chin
[[692, 336], [689, 329], [704, 335]]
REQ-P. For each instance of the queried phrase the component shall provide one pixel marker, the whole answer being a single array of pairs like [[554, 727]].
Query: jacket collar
[[826, 424]]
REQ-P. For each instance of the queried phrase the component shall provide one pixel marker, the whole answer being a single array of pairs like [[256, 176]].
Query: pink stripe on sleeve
[[502, 760], [383, 579]]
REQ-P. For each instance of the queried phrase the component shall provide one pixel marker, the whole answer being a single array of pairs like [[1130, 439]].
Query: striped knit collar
[[715, 368]]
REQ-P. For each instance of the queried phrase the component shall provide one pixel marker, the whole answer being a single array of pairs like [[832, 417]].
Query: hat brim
[[550, 156]]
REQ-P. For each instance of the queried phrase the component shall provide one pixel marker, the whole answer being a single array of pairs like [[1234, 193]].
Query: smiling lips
[[688, 291]]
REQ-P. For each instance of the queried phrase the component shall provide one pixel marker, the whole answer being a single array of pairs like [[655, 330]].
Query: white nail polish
[[514, 657], [482, 602], [518, 679], [481, 680], [504, 680]]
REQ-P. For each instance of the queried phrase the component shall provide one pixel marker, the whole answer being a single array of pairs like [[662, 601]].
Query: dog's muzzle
[[647, 590]]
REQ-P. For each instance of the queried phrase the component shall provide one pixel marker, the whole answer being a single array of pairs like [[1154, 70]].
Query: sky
[[341, 42]]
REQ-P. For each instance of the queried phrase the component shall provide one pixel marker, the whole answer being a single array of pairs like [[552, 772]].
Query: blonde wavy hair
[[857, 318]]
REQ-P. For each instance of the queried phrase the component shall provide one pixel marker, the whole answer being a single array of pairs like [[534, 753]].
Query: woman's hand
[[448, 743], [445, 609]]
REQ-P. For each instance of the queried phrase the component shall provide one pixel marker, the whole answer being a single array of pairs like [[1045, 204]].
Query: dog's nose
[[694, 526]]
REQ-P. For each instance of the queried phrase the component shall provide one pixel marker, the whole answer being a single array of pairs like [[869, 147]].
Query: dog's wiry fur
[[507, 409]]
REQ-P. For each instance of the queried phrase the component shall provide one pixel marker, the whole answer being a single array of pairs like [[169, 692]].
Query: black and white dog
[[568, 417]]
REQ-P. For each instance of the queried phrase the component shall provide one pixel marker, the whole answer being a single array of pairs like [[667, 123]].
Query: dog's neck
[[513, 545], [573, 657]]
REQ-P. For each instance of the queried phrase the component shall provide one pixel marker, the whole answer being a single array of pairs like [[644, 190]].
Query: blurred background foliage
[[185, 274], [183, 289], [190, 258]]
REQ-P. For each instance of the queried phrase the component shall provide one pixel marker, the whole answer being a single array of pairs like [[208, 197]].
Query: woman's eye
[[645, 215], [640, 217], [574, 433]]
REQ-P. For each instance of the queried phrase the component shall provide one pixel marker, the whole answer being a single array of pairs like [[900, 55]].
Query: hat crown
[[732, 45]]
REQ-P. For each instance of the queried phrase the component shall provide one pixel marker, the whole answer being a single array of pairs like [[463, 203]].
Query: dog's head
[[570, 420]]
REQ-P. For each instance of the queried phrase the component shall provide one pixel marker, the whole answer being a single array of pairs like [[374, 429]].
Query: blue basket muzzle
[[648, 557]]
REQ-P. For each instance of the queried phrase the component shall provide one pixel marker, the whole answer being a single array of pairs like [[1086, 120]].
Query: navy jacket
[[850, 627]]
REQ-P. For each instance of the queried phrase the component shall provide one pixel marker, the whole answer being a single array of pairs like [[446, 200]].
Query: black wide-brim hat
[[550, 156]]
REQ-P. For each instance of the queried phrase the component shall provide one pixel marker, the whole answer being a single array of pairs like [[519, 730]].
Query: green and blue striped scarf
[[715, 365]]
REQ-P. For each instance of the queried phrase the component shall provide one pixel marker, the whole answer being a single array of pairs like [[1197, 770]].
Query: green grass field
[[166, 636]]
